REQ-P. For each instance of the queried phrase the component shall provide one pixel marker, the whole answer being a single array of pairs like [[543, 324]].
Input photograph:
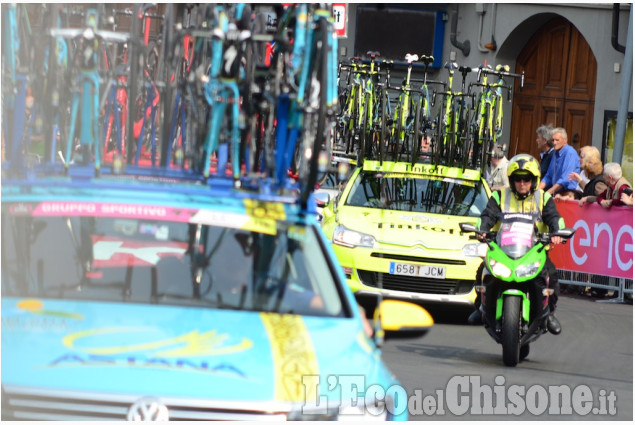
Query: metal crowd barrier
[[623, 287]]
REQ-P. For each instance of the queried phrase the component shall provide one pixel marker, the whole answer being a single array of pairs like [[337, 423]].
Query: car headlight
[[500, 269], [307, 414], [475, 250], [528, 269], [350, 238], [362, 410]]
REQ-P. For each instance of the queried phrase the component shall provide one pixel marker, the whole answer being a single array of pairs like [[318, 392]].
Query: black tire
[[511, 330], [398, 141], [486, 144], [438, 146], [351, 125], [461, 132], [364, 135], [134, 51], [524, 351], [451, 135], [466, 147], [383, 133], [321, 71], [416, 135]]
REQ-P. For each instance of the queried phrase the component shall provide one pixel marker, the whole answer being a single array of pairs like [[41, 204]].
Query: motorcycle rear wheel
[[511, 330]]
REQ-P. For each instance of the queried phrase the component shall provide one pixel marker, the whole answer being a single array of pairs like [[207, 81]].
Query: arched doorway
[[560, 77]]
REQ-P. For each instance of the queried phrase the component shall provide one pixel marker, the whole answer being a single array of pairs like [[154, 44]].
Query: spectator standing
[[564, 161], [545, 146], [591, 166], [498, 179], [627, 198], [583, 177]]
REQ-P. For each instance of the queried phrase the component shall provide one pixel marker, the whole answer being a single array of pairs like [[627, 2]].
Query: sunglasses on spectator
[[524, 179]]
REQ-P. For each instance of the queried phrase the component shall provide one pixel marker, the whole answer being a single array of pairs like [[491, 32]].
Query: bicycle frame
[[490, 111], [14, 88], [222, 91]]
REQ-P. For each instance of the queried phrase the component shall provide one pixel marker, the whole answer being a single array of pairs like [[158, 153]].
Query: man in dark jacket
[[545, 146]]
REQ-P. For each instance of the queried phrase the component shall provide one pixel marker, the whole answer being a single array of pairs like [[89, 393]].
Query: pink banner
[[603, 241]]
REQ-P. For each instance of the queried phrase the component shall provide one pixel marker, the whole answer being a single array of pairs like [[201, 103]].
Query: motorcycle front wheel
[[511, 330]]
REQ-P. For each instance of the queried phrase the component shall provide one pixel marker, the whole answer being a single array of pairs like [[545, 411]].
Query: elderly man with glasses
[[565, 161]]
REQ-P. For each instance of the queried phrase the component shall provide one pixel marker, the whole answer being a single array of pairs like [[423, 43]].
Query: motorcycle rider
[[523, 196]]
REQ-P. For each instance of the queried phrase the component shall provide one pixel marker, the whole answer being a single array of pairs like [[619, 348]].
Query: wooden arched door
[[560, 77]]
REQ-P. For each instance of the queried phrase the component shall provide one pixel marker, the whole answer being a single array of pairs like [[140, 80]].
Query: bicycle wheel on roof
[[318, 103]]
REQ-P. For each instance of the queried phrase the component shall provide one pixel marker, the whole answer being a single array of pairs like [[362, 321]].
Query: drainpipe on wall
[[480, 11], [627, 76], [465, 45], [492, 44], [615, 28]]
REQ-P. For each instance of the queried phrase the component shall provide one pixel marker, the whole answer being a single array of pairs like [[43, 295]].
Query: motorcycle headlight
[[475, 250], [500, 269], [350, 238], [527, 269]]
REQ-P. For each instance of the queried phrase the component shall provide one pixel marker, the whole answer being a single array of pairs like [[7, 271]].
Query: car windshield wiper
[[200, 261], [185, 299], [83, 251]]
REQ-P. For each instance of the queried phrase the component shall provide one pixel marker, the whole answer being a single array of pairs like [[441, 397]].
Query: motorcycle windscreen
[[517, 234]]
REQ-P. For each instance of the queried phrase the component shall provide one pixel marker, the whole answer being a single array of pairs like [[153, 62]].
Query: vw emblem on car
[[148, 409]]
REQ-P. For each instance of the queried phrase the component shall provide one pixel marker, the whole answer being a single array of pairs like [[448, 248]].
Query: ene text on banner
[[603, 241]]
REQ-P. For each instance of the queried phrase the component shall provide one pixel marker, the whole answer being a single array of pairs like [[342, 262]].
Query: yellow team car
[[395, 229]]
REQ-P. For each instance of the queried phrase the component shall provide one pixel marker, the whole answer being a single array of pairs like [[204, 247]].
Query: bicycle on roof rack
[[405, 136], [85, 89], [15, 71], [424, 125], [452, 134], [109, 91], [316, 96], [488, 118]]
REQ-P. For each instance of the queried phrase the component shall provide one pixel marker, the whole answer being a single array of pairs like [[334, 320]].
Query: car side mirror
[[322, 199], [401, 319], [468, 227]]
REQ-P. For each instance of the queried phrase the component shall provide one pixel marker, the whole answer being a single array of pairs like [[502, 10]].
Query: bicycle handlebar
[[451, 66], [421, 80], [405, 89], [128, 12], [411, 58], [495, 85], [502, 74], [89, 33], [427, 60]]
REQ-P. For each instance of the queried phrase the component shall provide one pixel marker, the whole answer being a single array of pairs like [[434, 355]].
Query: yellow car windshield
[[418, 193]]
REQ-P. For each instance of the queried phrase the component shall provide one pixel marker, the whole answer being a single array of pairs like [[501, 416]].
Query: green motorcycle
[[516, 307]]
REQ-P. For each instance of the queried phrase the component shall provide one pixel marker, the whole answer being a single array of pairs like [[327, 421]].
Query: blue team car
[[154, 298]]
